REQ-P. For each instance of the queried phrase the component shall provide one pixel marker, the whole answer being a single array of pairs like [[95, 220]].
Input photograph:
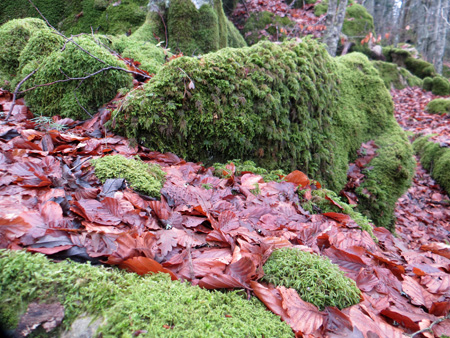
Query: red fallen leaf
[[95, 211], [339, 324], [144, 265], [440, 308], [50, 251], [406, 318], [52, 213], [338, 217], [223, 281], [442, 329], [298, 178], [419, 296], [270, 297], [438, 248], [333, 202]]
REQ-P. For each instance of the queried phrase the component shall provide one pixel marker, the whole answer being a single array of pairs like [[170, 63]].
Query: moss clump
[[265, 22], [61, 98], [441, 86], [358, 22], [283, 106], [54, 11], [14, 36], [428, 83], [396, 77], [434, 158], [419, 67], [439, 106], [119, 19], [143, 177], [129, 302], [316, 279], [248, 166], [235, 39]]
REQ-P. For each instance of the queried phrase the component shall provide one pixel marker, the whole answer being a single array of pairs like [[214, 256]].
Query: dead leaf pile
[[214, 232]]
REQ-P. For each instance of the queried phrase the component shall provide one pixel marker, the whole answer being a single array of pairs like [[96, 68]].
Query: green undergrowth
[[248, 166], [144, 177], [438, 106], [316, 279], [435, 159], [395, 76], [127, 302], [283, 106]]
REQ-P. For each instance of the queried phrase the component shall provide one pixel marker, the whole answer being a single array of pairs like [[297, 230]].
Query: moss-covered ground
[[434, 158], [287, 106], [128, 303]]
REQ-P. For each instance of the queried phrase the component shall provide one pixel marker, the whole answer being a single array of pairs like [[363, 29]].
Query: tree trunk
[[442, 35], [334, 21]]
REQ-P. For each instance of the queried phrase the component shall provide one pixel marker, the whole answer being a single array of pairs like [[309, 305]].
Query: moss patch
[[235, 39], [439, 106], [143, 177], [287, 106], [358, 22], [130, 302], [248, 166], [436, 159], [396, 77], [316, 279], [440, 86], [267, 22]]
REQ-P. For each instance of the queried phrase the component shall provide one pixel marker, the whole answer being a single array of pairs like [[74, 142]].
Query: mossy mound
[[14, 36], [316, 279], [267, 22], [358, 22], [141, 176], [439, 106], [152, 305], [440, 86], [396, 77], [283, 106], [435, 159], [428, 83], [65, 98], [404, 58]]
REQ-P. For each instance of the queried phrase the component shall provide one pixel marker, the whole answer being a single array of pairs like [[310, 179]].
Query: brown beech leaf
[[144, 265], [298, 178], [338, 217], [437, 248], [270, 297], [440, 308], [223, 281], [419, 296], [406, 318]]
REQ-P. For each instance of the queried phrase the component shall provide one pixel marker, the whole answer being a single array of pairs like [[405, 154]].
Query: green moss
[[129, 302], [235, 39], [396, 55], [283, 106], [434, 158], [446, 71], [54, 11], [321, 8], [141, 176], [358, 22], [248, 166], [441, 86], [14, 36], [439, 106], [59, 99], [265, 21], [428, 83], [420, 67], [149, 29], [396, 77], [316, 279], [120, 19], [229, 6]]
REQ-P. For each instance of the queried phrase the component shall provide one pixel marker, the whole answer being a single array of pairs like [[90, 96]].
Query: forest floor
[[203, 228]]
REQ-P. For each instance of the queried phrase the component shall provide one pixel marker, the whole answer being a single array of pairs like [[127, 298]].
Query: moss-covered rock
[[65, 98], [439, 106], [235, 38], [434, 158], [441, 86], [265, 22], [420, 67], [53, 10], [428, 83], [316, 279], [141, 176], [287, 106], [396, 77], [358, 22], [14, 36], [127, 303]]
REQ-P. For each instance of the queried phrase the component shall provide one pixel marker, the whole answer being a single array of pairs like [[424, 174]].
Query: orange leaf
[[341, 218], [298, 178], [143, 265]]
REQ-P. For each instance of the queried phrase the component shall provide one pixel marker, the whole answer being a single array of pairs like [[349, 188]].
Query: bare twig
[[165, 28], [430, 328], [81, 163]]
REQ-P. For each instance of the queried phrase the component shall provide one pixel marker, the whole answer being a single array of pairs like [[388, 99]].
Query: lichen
[[439, 106], [65, 98], [144, 177], [316, 279], [396, 77], [152, 305], [283, 106], [434, 158]]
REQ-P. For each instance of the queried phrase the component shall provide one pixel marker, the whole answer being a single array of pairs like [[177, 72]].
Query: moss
[[321, 8], [130, 303], [235, 39], [358, 22], [439, 106], [434, 158], [248, 166], [54, 11], [316, 279], [396, 55], [420, 67], [396, 77], [229, 6], [428, 83], [283, 106], [143, 177], [441, 86], [149, 29], [446, 71], [119, 19], [14, 36], [59, 99], [265, 21]]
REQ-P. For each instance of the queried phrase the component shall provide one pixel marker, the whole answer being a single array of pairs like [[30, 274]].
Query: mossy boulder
[[261, 25], [358, 22], [434, 158], [404, 58], [428, 83], [142, 177], [284, 106], [439, 106], [396, 77], [126, 303], [440, 86], [316, 279]]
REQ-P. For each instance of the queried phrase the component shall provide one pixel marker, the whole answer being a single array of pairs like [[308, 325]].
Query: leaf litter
[[217, 232]]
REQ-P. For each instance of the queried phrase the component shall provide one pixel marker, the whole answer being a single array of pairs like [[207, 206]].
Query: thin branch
[[430, 328], [81, 163], [165, 28]]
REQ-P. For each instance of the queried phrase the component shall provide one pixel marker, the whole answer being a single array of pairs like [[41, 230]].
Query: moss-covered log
[[286, 106]]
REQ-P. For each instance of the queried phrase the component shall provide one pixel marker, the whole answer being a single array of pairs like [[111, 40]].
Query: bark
[[442, 35], [334, 21]]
